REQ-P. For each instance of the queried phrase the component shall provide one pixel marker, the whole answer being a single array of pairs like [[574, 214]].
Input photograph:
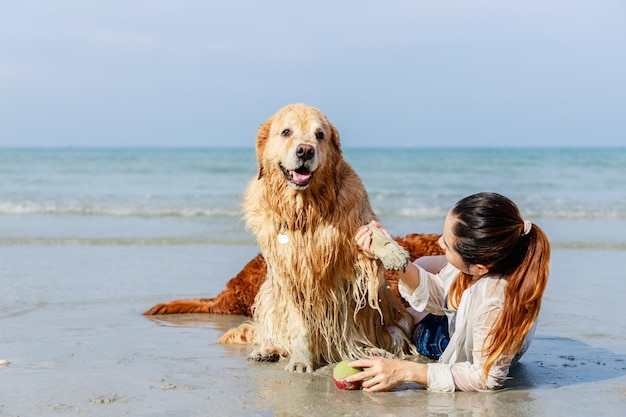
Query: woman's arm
[[411, 276], [432, 264]]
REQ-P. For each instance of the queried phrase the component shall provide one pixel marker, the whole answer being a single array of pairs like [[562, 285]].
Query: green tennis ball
[[341, 372]]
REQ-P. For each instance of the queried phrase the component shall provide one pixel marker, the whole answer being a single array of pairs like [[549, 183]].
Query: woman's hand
[[382, 374], [364, 238]]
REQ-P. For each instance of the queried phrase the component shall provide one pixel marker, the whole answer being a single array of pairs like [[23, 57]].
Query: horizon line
[[344, 147]]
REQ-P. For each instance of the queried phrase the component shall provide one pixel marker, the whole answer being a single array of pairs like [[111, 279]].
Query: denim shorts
[[430, 336]]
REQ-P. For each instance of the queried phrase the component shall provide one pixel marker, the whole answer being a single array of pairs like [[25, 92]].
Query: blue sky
[[396, 73]]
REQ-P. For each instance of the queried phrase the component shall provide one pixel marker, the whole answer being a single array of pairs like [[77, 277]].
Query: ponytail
[[490, 231], [522, 300]]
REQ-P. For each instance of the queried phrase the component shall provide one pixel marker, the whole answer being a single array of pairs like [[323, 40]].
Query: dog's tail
[[217, 305], [237, 297]]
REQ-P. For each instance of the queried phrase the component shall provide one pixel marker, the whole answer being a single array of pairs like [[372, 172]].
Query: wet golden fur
[[322, 300]]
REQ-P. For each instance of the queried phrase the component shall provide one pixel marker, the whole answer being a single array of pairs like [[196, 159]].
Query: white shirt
[[460, 367]]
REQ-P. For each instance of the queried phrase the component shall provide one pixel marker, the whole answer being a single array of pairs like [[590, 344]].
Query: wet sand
[[72, 329]]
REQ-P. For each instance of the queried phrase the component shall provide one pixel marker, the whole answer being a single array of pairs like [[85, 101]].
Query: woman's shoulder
[[492, 287], [489, 281], [448, 270]]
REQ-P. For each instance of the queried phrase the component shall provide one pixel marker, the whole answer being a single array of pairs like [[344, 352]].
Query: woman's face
[[447, 242]]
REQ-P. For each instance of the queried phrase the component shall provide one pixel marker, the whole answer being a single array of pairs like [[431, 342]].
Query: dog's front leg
[[301, 359], [392, 255]]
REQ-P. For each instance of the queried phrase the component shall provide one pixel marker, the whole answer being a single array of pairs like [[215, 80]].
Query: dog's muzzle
[[300, 177]]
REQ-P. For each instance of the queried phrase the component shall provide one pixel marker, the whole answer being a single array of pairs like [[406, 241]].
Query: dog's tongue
[[300, 178]]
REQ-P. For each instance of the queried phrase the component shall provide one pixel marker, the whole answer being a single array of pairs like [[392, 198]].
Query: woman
[[488, 288]]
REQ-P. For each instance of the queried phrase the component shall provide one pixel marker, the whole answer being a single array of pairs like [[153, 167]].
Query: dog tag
[[283, 238]]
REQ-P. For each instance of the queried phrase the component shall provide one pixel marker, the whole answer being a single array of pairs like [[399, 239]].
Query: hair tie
[[527, 226]]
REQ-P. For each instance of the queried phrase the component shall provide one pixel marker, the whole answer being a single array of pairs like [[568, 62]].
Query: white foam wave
[[589, 245], [435, 213], [8, 208], [131, 241]]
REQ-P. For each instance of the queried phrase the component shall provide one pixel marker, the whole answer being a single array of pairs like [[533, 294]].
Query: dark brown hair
[[489, 230]]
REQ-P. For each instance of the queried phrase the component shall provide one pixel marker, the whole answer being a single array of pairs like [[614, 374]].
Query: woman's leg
[[430, 336]]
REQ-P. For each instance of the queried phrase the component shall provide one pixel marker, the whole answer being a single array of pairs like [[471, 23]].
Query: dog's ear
[[335, 136], [262, 136]]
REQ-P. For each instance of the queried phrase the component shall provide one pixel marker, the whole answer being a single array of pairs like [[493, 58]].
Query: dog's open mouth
[[299, 178]]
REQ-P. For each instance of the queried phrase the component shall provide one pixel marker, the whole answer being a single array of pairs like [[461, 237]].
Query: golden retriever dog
[[321, 299]]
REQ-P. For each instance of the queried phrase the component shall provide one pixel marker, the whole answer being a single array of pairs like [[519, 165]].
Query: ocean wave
[[131, 241], [383, 209], [8, 209], [620, 246], [577, 213], [435, 213]]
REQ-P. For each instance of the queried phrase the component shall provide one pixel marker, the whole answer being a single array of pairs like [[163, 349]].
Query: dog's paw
[[391, 254], [264, 355], [299, 367], [371, 352]]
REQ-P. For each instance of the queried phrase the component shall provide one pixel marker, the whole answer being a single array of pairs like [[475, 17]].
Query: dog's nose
[[305, 152]]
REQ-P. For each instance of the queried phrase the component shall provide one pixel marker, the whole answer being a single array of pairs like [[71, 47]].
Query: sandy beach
[[92, 353]]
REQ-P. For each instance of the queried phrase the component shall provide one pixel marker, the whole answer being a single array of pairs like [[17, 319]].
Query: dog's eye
[[319, 135], [285, 133]]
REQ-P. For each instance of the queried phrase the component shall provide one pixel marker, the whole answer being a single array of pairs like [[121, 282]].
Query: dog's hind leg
[[265, 355], [242, 334]]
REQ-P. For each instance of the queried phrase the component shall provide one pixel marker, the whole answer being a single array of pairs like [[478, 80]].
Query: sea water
[[193, 196]]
